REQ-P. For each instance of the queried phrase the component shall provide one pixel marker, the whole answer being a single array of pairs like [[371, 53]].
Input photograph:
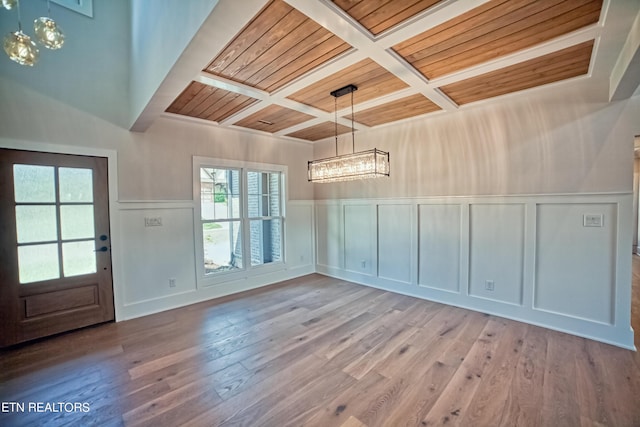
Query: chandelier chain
[[353, 136], [19, 17], [335, 121]]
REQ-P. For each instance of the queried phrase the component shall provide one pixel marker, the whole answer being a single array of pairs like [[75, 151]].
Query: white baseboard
[[144, 308]]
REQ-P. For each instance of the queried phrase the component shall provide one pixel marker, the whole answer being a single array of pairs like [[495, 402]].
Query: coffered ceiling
[[408, 58]]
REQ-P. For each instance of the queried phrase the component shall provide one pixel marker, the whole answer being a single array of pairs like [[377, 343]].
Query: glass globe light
[[48, 33], [21, 48], [9, 4]]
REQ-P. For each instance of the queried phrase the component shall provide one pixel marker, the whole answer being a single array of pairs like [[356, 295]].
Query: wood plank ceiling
[[408, 58]]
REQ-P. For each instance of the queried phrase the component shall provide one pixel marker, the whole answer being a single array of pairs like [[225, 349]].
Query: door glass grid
[[54, 222]]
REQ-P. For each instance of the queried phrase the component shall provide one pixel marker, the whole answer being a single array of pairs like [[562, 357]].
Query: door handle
[[102, 249]]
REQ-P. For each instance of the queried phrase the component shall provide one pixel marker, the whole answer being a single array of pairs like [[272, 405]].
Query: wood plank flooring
[[317, 351]]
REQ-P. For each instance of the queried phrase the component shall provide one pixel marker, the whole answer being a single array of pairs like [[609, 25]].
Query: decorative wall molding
[[528, 258]]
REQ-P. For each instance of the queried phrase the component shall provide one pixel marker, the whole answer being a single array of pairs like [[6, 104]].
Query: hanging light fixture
[[348, 167], [9, 4], [47, 31], [18, 45]]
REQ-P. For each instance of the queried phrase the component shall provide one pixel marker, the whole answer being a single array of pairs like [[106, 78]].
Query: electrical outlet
[[153, 221], [489, 285], [172, 282]]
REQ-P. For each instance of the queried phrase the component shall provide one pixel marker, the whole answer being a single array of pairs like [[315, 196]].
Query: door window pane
[[36, 224], [77, 222], [34, 184], [38, 262], [78, 258], [222, 246], [76, 185], [266, 238]]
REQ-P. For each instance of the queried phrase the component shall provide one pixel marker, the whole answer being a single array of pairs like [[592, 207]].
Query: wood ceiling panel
[[492, 30], [378, 16], [277, 46], [320, 131], [274, 118], [563, 64], [371, 79], [410, 106], [209, 103]]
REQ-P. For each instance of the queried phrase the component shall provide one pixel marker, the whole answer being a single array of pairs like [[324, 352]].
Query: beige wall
[[534, 145]]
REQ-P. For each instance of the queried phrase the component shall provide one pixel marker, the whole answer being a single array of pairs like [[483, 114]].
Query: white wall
[[91, 71], [150, 256], [153, 175], [549, 141], [546, 267], [497, 193]]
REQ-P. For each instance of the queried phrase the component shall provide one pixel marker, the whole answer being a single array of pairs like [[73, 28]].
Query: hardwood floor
[[316, 351]]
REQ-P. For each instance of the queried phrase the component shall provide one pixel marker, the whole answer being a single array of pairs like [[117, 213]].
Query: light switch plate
[[153, 221], [593, 220]]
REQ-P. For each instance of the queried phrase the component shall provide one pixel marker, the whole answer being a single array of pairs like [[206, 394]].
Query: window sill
[[232, 276]]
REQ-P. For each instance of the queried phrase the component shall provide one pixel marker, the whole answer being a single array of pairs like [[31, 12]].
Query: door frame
[[114, 211]]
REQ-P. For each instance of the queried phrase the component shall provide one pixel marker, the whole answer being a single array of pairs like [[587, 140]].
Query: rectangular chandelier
[[348, 167]]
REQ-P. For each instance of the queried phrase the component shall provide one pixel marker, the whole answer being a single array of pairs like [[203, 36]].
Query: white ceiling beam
[[625, 76], [300, 126], [394, 96], [337, 64], [231, 86], [559, 43], [325, 14], [425, 21], [220, 27], [265, 100]]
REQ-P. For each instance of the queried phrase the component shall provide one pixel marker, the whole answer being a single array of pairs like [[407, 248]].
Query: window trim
[[247, 270]]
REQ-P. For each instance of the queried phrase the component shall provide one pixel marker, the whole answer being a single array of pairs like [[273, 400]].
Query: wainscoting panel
[[359, 238], [394, 242], [329, 237], [155, 254], [545, 266], [158, 244], [439, 246], [580, 281], [497, 246], [299, 234]]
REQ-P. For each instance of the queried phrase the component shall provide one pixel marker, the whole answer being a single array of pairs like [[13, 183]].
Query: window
[[54, 211], [221, 221], [265, 221], [240, 215]]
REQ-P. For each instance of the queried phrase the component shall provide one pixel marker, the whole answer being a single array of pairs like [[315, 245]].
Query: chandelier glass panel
[[348, 167]]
